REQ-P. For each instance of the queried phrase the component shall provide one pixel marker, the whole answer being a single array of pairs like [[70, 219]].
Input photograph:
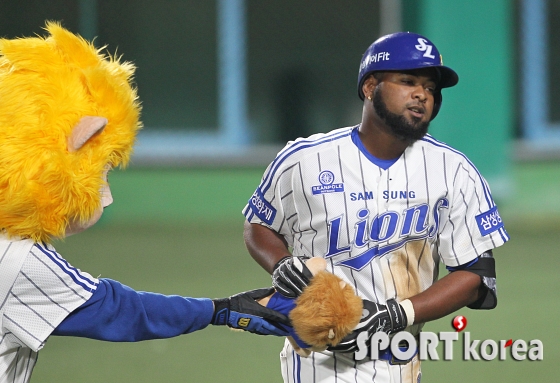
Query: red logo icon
[[508, 343], [459, 323]]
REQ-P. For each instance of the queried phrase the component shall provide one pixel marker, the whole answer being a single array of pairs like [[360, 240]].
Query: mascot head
[[68, 113]]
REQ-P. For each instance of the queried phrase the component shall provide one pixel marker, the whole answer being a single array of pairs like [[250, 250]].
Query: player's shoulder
[[303, 146], [436, 148]]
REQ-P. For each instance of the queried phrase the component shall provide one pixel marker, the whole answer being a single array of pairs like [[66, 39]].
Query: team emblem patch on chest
[[326, 178]]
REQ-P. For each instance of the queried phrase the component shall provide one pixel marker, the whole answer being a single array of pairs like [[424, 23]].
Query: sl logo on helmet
[[424, 47]]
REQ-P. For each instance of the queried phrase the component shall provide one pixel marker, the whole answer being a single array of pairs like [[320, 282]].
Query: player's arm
[[270, 250], [117, 313], [266, 246], [472, 285], [452, 292], [447, 295]]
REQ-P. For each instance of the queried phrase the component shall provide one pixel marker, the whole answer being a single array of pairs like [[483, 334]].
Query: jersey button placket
[[382, 186]]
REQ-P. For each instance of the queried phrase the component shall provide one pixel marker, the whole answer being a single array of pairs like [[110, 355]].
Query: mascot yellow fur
[[47, 85]]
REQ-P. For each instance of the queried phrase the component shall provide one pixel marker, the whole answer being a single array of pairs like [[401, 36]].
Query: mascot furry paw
[[326, 311]]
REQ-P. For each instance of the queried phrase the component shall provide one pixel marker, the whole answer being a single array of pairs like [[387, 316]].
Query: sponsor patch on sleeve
[[490, 221], [262, 208]]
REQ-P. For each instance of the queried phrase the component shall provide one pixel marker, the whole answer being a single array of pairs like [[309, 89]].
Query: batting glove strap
[[291, 276], [397, 316], [242, 311]]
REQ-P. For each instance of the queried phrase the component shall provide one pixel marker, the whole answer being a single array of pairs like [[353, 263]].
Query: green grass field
[[207, 258]]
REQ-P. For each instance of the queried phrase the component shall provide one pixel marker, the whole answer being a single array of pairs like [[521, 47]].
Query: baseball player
[[383, 202]]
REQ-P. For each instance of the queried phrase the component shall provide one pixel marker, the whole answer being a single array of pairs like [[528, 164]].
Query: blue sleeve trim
[[117, 313], [77, 276]]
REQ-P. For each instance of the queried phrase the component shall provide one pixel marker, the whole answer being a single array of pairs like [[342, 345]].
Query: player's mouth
[[417, 111]]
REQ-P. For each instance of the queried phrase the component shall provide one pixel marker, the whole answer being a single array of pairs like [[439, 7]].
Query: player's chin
[[414, 131], [417, 120]]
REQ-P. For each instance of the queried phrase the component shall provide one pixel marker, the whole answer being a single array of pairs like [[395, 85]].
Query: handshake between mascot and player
[[68, 115]]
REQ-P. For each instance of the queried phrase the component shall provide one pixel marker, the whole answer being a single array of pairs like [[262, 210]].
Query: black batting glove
[[389, 318], [291, 276], [242, 311]]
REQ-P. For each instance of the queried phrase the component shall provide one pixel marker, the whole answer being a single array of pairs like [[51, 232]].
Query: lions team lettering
[[411, 224]]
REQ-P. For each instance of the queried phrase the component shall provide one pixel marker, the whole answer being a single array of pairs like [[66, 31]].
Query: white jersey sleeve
[[45, 291], [471, 223], [272, 202], [267, 204]]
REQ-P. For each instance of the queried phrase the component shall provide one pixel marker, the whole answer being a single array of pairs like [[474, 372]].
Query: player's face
[[75, 226], [404, 101]]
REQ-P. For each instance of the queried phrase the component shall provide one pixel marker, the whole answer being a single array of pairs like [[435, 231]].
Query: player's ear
[[85, 129], [369, 85]]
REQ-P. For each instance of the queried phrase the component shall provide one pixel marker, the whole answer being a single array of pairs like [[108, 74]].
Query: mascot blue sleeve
[[117, 313]]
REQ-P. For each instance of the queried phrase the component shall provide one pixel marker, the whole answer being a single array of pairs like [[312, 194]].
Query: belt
[[389, 357]]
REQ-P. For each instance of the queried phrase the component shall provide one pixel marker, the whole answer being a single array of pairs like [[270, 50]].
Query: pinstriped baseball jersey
[[382, 226], [45, 291], [326, 367]]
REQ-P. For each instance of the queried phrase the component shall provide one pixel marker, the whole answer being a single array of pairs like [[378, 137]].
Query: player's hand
[[388, 318], [242, 311], [291, 276]]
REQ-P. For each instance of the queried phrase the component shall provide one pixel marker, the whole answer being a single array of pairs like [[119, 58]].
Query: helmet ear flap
[[437, 104]]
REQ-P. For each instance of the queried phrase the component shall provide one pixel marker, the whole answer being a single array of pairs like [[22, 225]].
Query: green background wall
[[475, 38]]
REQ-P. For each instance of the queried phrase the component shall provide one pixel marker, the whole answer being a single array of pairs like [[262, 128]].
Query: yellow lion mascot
[[47, 85]]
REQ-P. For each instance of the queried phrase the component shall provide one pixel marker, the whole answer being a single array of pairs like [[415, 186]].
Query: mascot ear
[[85, 129]]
